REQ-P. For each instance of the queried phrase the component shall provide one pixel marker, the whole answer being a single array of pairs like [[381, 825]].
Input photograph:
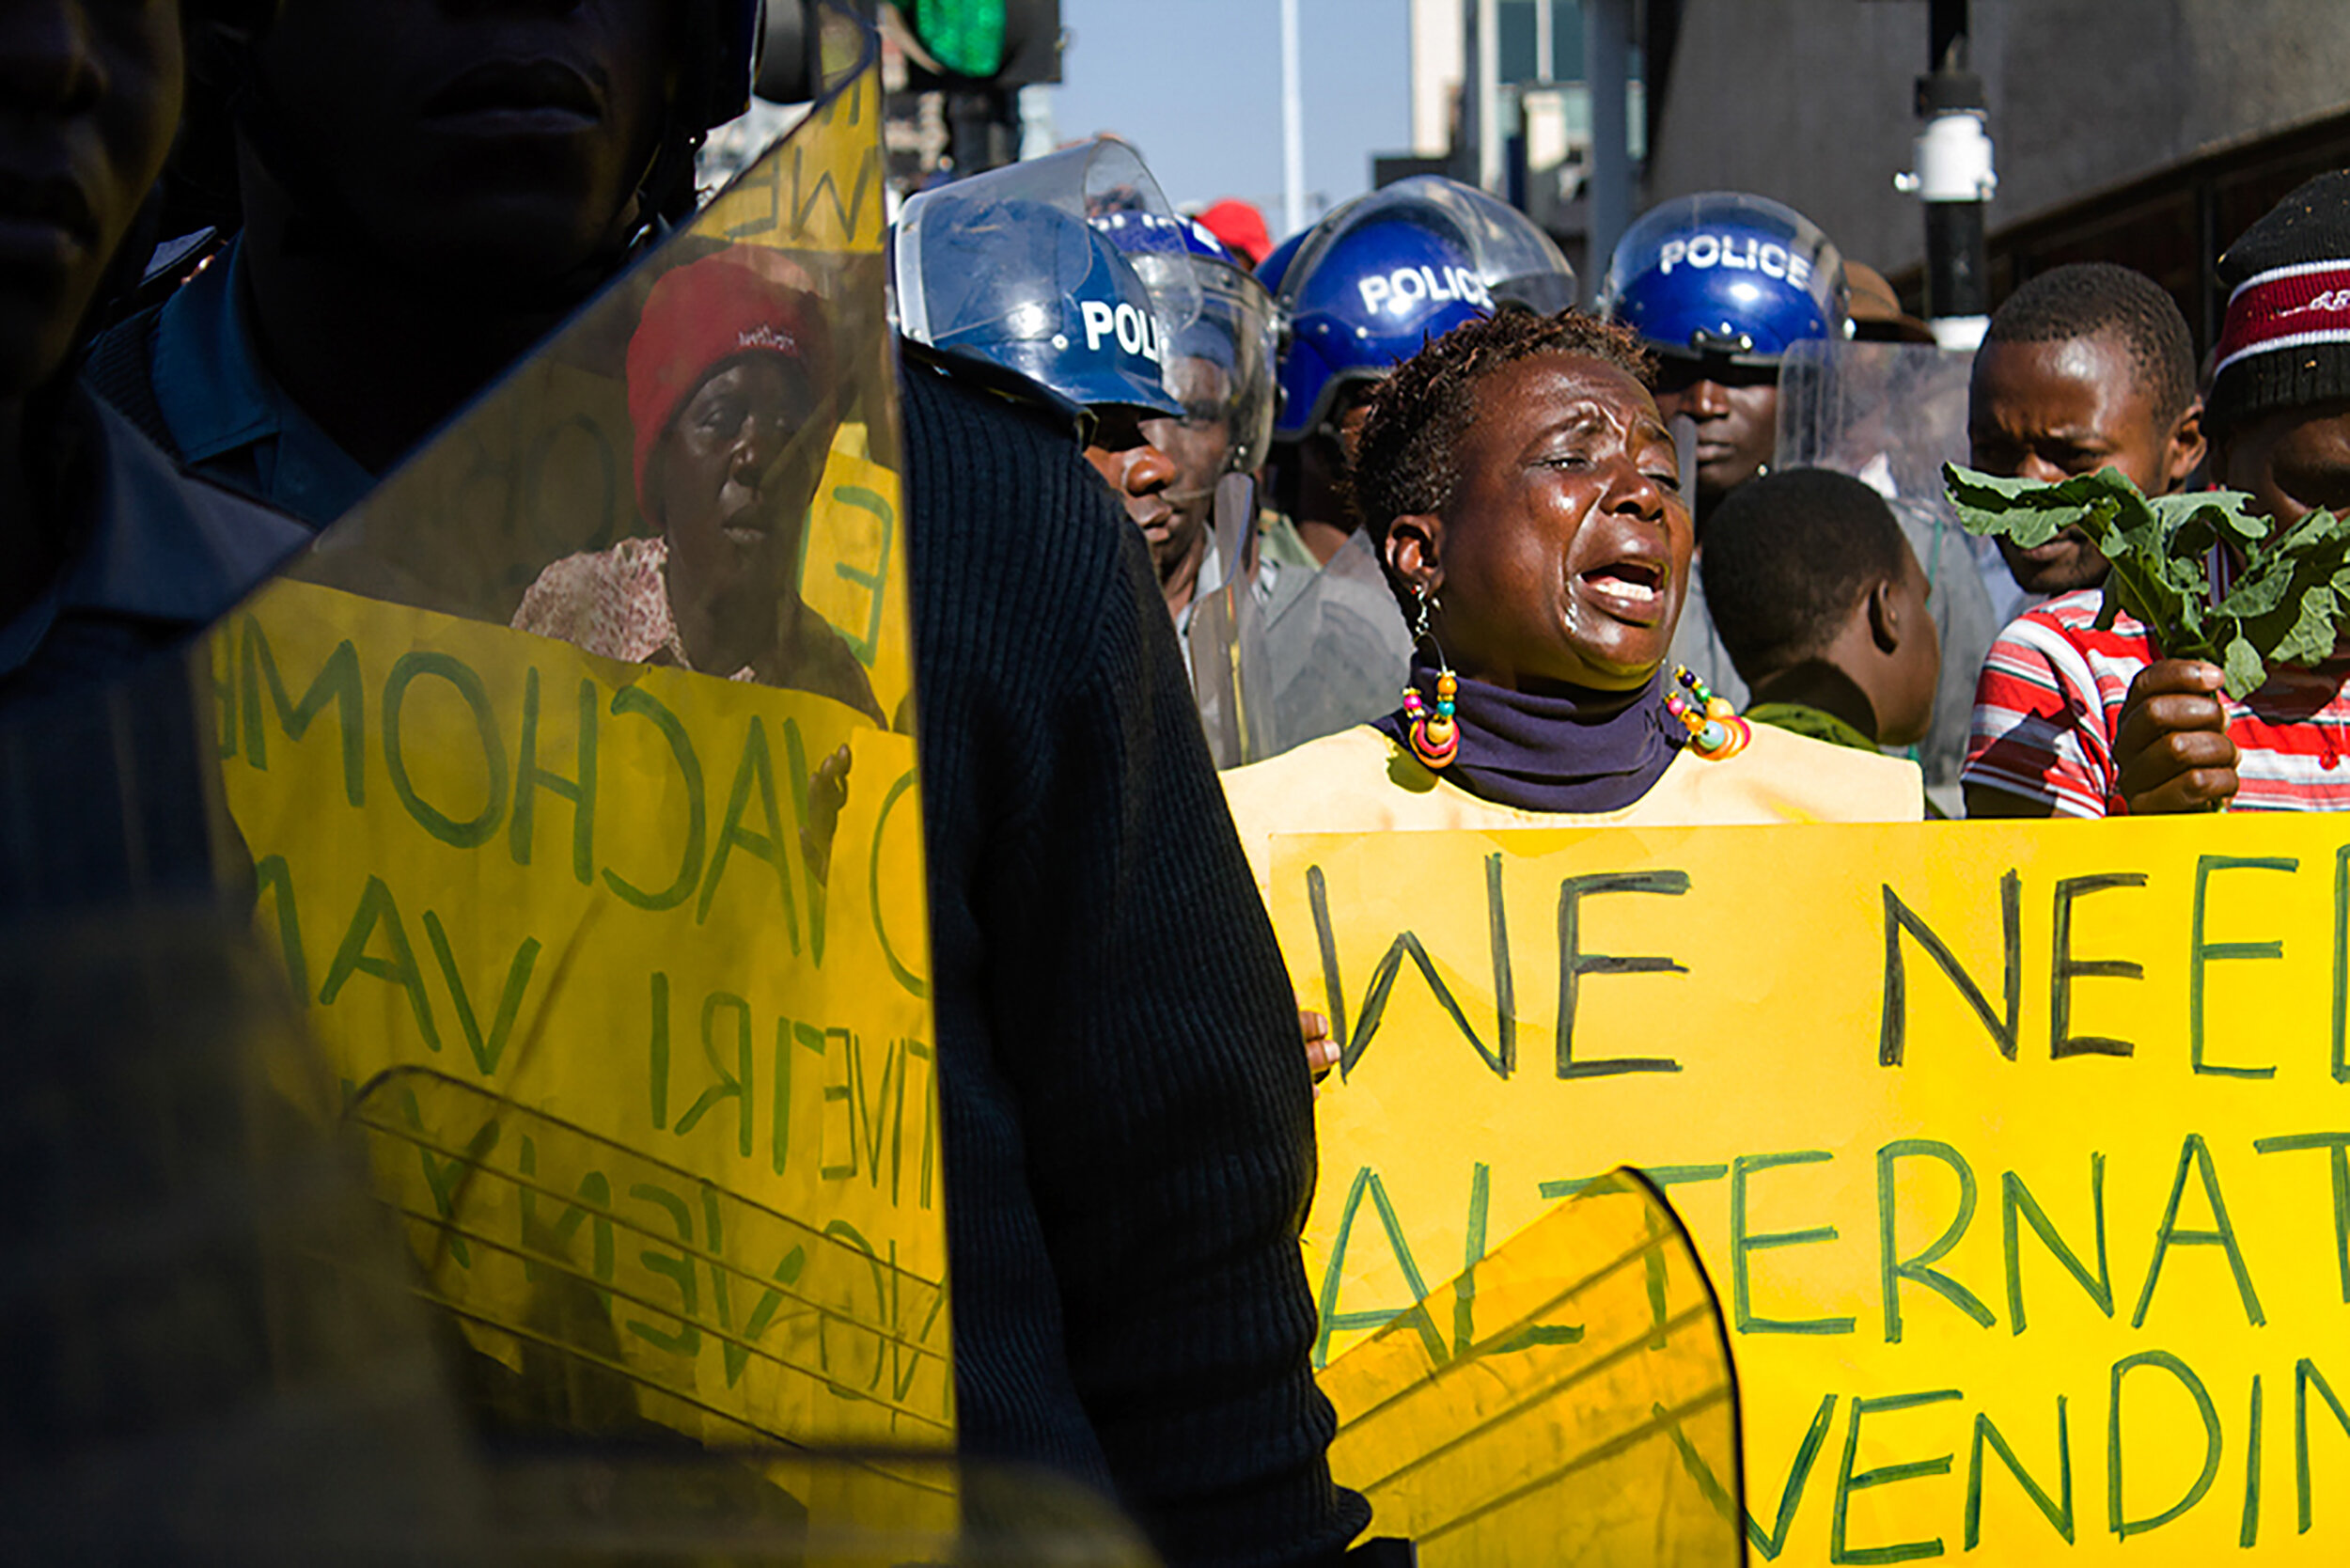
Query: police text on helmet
[[1136, 330], [1741, 252], [1409, 286]]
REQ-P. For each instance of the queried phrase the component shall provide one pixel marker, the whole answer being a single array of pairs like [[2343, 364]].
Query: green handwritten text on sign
[[665, 1057], [2020, 1155]]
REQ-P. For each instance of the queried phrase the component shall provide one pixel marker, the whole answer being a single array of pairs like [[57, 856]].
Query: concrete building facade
[[2142, 110]]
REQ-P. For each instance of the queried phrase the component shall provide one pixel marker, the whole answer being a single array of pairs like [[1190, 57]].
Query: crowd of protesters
[[1496, 563]]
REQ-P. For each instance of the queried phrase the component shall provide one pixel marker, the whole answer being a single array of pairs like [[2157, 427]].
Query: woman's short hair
[[1403, 457]]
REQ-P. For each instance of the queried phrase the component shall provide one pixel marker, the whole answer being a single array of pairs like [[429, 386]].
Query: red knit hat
[[745, 299], [2286, 339], [1241, 226]]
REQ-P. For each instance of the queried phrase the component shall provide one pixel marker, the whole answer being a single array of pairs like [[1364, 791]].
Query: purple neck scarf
[[1584, 752]]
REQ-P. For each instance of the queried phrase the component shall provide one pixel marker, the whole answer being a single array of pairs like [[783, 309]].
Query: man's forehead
[[2065, 386], [2100, 359], [1675, 369]]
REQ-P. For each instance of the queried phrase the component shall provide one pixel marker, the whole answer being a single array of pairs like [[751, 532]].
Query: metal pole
[[1953, 176], [1292, 126], [1607, 62], [982, 128], [1545, 38], [1486, 63]]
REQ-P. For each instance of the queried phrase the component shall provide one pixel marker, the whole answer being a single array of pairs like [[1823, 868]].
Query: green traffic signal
[[965, 37]]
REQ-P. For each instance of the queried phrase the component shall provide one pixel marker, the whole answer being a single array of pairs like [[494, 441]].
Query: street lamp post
[[1953, 175], [1292, 126]]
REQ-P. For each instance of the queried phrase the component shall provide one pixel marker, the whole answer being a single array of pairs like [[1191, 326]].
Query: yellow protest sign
[[578, 772], [1568, 1372], [2018, 1153], [573, 902]]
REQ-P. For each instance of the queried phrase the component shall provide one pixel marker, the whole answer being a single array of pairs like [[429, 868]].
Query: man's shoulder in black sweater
[[1128, 1134]]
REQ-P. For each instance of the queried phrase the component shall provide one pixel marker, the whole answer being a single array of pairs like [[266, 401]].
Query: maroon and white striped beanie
[[2286, 339]]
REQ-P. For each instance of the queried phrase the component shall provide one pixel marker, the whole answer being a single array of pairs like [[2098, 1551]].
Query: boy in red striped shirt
[[2071, 721]]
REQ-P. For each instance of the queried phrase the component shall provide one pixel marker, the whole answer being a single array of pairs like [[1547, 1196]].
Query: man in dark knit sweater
[[1128, 1138]]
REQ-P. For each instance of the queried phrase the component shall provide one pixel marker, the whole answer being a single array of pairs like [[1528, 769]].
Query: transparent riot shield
[[1337, 650], [1226, 639], [578, 772], [1890, 414], [213, 1352], [221, 1350], [1570, 1398]]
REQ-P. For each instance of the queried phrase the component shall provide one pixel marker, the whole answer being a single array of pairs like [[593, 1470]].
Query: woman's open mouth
[[1632, 590]]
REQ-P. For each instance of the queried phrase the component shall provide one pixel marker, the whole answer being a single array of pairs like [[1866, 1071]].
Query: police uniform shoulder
[[982, 376]]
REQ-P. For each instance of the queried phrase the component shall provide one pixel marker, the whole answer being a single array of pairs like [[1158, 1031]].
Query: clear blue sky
[[1197, 86]]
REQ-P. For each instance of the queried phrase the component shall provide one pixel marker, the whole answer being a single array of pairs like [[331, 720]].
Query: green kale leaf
[[2283, 608]]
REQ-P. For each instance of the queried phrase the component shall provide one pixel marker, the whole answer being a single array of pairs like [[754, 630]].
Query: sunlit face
[[91, 98], [2048, 411], [506, 139], [736, 469], [1136, 470], [1736, 409], [1199, 445], [1562, 554]]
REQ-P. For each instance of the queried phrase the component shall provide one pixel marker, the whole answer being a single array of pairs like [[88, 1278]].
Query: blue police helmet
[[1379, 277], [1220, 365], [1726, 276], [1270, 270], [1141, 233], [1005, 268]]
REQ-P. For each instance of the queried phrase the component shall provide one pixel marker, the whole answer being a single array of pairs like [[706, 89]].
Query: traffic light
[[954, 44], [998, 43], [965, 37]]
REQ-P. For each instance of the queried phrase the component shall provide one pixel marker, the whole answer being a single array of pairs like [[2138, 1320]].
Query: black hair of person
[[1403, 458], [2089, 299], [1787, 557]]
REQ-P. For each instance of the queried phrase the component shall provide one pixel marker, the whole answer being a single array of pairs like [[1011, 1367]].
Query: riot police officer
[[1219, 368], [1721, 286], [1126, 1142], [1004, 273], [1359, 294], [1362, 292]]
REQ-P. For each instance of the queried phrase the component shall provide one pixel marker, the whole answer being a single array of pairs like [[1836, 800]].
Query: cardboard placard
[[577, 770], [2019, 1153], [1568, 1399]]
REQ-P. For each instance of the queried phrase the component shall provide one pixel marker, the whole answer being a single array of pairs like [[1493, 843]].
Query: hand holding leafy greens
[[2282, 608]]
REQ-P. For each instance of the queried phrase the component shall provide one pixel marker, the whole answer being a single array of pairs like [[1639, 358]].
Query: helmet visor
[[1004, 266], [1729, 276]]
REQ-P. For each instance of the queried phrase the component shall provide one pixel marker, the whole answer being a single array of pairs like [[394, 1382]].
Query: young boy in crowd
[[2085, 366], [1821, 604], [2073, 721]]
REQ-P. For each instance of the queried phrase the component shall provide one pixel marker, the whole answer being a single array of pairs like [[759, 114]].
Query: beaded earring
[[1436, 738], [1715, 730]]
